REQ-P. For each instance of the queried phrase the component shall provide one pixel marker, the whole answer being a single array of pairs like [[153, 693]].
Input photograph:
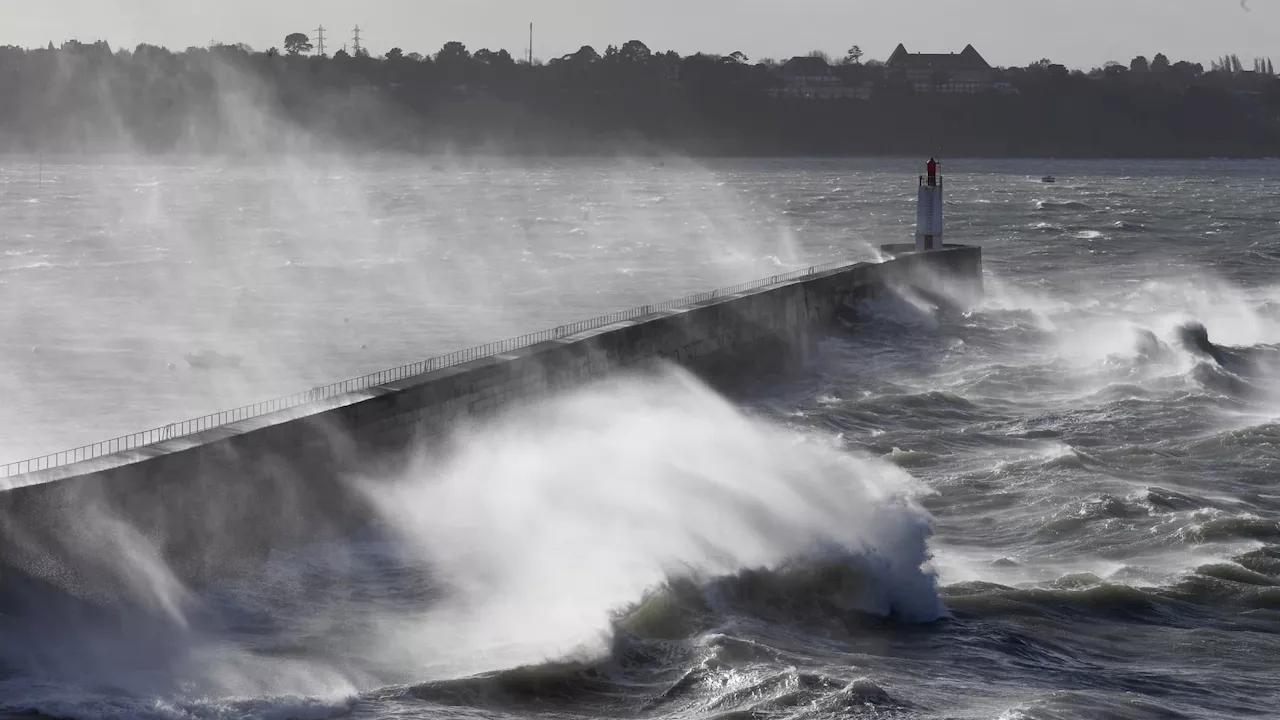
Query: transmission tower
[[355, 42], [320, 40]]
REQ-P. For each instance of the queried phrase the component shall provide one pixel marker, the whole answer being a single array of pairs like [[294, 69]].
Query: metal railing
[[137, 440]]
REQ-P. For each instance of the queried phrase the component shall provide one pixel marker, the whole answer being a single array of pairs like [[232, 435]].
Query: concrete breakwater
[[220, 499]]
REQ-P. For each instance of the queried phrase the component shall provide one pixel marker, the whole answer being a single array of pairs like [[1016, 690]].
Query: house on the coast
[[963, 73], [812, 78]]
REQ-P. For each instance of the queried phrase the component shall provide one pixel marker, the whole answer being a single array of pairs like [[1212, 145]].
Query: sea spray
[[545, 523], [137, 642], [1176, 584]]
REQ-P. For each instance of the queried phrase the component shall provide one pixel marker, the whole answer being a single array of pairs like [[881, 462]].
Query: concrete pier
[[218, 500]]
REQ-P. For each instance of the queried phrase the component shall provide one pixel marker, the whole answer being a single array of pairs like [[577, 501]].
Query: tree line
[[627, 99]]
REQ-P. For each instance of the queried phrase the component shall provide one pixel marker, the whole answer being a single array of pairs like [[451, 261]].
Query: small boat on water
[[1048, 179], [207, 359]]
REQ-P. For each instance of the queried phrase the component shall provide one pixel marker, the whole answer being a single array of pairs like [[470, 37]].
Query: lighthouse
[[929, 209]]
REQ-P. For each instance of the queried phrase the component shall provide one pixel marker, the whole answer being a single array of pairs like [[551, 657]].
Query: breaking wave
[[1051, 205], [710, 494]]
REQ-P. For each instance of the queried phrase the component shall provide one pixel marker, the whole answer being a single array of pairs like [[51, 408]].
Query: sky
[[1077, 33]]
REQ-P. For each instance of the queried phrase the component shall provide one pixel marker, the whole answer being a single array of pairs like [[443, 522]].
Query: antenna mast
[[355, 42], [530, 44], [320, 40]]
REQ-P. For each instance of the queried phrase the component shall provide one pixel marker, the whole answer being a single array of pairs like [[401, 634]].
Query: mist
[[546, 523], [231, 226], [642, 545], [519, 540], [257, 236]]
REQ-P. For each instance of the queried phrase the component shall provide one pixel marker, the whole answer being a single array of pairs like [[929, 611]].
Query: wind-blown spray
[[543, 525]]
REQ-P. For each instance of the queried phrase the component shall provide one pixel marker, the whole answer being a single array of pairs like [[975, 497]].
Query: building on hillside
[[811, 78], [963, 74]]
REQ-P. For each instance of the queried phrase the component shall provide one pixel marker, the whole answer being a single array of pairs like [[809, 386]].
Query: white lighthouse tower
[[929, 209]]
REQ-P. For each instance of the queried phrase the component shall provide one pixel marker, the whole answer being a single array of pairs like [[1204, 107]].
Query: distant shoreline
[[654, 155], [229, 100]]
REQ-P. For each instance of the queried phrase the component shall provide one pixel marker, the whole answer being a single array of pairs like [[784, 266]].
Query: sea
[[1059, 503]]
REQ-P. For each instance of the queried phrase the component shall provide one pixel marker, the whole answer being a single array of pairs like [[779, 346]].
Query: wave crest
[[545, 524]]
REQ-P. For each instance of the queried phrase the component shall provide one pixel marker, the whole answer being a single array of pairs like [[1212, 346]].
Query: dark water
[[1047, 507]]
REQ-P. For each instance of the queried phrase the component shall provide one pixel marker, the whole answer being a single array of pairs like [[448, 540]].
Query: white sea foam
[[544, 523]]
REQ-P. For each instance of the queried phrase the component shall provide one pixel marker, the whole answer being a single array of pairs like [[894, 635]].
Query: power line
[[320, 40], [355, 42]]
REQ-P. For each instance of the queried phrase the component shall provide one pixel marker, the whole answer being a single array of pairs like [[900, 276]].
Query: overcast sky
[[1078, 33]]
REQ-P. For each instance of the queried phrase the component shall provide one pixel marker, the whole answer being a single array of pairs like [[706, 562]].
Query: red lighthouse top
[[932, 169]]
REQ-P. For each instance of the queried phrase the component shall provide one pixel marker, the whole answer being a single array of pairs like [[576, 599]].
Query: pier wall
[[220, 500]]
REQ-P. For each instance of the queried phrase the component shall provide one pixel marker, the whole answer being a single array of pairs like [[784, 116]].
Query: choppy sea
[[1053, 505]]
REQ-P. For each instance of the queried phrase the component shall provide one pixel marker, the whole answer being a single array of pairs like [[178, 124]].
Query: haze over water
[[111, 272], [1046, 507]]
